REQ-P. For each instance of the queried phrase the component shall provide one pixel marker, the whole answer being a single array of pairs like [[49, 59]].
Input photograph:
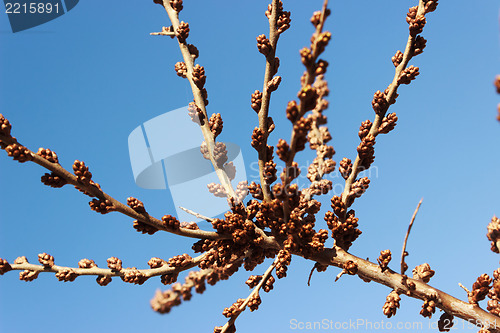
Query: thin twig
[[266, 96], [255, 291], [147, 273], [392, 90], [208, 219], [97, 192], [403, 252], [200, 103]]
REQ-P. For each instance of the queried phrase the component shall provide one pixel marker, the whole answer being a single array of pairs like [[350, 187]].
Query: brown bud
[[391, 304], [5, 126], [384, 259], [4, 266], [82, 172], [136, 205], [181, 69], [144, 228], [66, 275], [86, 263], [408, 75], [182, 32], [176, 5], [199, 77], [101, 206], [397, 58], [53, 180], [256, 101], [114, 264], [170, 222], [48, 154], [46, 259], [215, 122], [18, 152], [274, 83], [264, 45], [423, 272]]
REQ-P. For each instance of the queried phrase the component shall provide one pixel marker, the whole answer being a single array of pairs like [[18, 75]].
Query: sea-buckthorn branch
[[188, 70], [92, 189], [318, 137], [163, 301], [410, 287], [307, 101], [403, 75], [196, 77], [159, 267], [239, 307], [404, 254], [268, 48]]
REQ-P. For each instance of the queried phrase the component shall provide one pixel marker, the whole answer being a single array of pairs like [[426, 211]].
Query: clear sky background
[[81, 83]]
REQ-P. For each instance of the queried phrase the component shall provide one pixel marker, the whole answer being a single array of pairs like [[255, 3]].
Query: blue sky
[[81, 83]]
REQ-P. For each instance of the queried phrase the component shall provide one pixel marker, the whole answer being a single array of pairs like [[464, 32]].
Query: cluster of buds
[[46, 260], [82, 172], [388, 123], [102, 206], [195, 113], [344, 229], [256, 100], [419, 45], [408, 75], [86, 263], [180, 261], [391, 304], [215, 122], [384, 259], [254, 302], [258, 139], [199, 77], [144, 228], [217, 190], [379, 102], [316, 17], [18, 152], [48, 154], [273, 84], [53, 180], [4, 266], [136, 205], [480, 289], [234, 309], [429, 307], [282, 17], [170, 222], [397, 58], [284, 259], [181, 69], [133, 275], [114, 264], [176, 5], [423, 272], [66, 275], [220, 153], [493, 233], [345, 167], [416, 22], [264, 45], [5, 126], [182, 32]]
